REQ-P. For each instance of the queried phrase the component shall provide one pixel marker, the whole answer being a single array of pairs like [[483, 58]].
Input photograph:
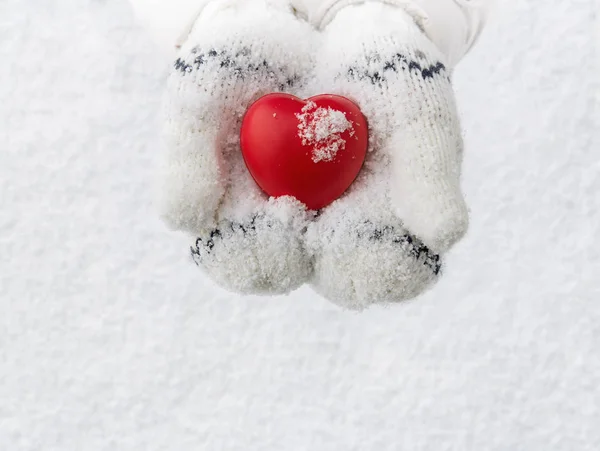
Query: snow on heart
[[322, 128]]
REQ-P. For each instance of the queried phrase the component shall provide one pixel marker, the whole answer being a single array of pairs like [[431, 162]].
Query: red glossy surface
[[282, 165]]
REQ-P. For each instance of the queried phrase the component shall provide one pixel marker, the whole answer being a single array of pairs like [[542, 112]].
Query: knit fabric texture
[[384, 239]]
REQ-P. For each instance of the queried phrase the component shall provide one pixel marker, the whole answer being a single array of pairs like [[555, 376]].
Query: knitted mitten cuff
[[453, 25]]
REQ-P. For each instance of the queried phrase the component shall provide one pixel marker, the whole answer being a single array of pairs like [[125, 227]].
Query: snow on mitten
[[384, 240], [235, 52]]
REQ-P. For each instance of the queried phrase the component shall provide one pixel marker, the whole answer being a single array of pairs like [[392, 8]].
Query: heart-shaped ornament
[[310, 149]]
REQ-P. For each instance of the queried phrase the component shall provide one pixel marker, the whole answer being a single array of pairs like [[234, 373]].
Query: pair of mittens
[[384, 239]]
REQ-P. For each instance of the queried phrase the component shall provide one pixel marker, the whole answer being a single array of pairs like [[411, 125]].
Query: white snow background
[[111, 339]]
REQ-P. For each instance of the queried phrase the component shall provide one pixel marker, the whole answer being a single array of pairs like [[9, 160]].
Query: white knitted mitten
[[382, 241], [236, 52]]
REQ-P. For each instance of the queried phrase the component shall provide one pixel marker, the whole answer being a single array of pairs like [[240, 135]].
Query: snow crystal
[[322, 128]]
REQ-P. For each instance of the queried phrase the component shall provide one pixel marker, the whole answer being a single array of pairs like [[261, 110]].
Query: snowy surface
[[110, 339]]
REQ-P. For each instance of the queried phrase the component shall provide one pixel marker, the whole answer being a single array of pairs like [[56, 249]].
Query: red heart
[[310, 149]]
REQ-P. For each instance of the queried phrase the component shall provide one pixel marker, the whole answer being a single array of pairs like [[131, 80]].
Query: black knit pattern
[[420, 252], [377, 68], [416, 248], [238, 65], [207, 244]]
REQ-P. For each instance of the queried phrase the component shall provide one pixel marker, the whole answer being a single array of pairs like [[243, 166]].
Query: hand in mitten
[[383, 241], [236, 52]]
